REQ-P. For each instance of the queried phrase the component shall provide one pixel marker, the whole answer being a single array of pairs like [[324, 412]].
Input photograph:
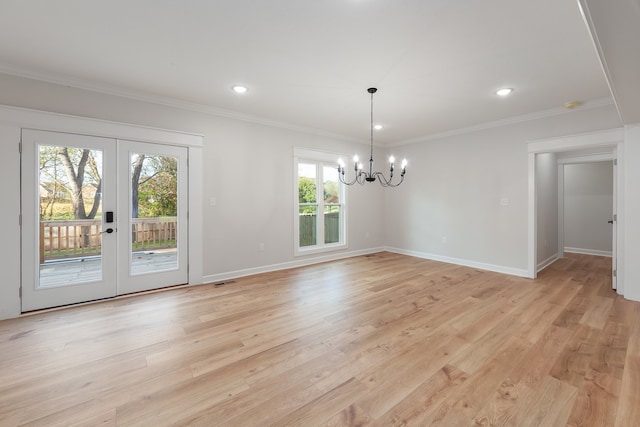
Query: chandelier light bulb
[[404, 163], [355, 159], [392, 159]]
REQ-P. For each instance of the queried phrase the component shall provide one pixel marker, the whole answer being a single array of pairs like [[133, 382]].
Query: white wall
[[453, 189], [547, 215], [248, 168], [9, 215], [588, 205], [455, 185], [632, 212]]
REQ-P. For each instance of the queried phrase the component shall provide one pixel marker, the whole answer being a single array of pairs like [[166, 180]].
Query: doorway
[[608, 143], [101, 217]]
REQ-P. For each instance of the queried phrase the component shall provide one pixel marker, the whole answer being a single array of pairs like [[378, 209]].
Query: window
[[320, 203]]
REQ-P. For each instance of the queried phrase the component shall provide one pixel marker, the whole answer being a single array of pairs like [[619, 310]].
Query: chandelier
[[364, 176]]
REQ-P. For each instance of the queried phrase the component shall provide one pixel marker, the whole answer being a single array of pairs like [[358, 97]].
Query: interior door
[[152, 194], [100, 217], [68, 185]]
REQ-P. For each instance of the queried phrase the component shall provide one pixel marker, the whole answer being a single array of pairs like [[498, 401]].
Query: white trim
[[170, 102], [587, 158], [621, 212], [608, 138], [318, 155], [23, 118], [320, 158], [532, 219], [580, 159], [56, 122], [587, 251], [613, 138], [588, 21], [560, 242], [206, 109], [547, 262], [287, 265], [602, 102], [457, 261], [196, 215]]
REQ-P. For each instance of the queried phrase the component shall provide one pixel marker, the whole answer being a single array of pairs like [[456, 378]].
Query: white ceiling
[[308, 63]]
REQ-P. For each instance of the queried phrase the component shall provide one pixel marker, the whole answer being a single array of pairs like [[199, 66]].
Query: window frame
[[320, 159]]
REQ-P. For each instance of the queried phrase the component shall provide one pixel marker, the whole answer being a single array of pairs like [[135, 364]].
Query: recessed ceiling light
[[377, 127], [504, 91], [239, 89]]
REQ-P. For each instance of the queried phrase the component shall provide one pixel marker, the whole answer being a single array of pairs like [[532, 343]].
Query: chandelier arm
[[388, 182], [356, 179], [342, 180]]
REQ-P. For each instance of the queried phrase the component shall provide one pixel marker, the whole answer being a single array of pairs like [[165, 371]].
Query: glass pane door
[[68, 183], [87, 235], [153, 252]]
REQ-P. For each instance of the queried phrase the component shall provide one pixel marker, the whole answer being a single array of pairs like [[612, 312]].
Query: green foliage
[[69, 182], [306, 190], [158, 192]]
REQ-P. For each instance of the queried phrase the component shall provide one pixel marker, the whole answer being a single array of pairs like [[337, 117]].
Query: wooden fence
[[307, 222], [82, 237]]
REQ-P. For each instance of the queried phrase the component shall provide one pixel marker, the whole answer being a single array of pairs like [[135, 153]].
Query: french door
[[100, 217]]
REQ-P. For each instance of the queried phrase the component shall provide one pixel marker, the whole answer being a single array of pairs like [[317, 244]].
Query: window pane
[[331, 185], [308, 217], [306, 183], [154, 213], [70, 187], [331, 223]]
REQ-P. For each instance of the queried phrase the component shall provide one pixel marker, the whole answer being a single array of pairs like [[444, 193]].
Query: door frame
[[612, 140], [581, 160], [20, 118]]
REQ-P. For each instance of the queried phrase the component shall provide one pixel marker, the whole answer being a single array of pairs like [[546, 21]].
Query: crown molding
[[596, 103], [168, 102], [219, 112]]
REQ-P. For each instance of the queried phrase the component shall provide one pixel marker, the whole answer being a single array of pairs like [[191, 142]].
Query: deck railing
[[82, 237]]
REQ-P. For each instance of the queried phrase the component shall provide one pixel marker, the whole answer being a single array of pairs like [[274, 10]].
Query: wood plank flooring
[[379, 340]]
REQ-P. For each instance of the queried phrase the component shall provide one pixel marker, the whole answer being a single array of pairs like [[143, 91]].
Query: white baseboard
[[547, 262], [213, 278], [482, 266], [588, 252]]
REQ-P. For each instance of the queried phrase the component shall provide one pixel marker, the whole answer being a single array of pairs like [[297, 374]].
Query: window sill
[[310, 250]]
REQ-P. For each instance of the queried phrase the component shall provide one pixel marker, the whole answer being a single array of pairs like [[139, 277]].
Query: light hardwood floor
[[381, 340]]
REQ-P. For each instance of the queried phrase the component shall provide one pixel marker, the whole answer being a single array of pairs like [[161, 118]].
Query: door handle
[[610, 221], [108, 230]]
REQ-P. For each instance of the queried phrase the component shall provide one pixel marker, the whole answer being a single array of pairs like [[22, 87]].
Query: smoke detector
[[572, 105]]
